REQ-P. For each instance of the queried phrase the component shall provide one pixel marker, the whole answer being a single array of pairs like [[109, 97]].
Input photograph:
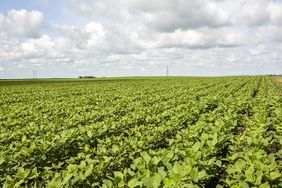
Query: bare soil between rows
[[279, 80]]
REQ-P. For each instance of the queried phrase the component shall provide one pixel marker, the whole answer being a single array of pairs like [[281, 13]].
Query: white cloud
[[108, 10], [10, 49], [124, 37], [254, 12], [21, 22], [261, 12], [162, 15], [257, 50], [90, 35], [96, 33], [182, 39], [45, 46], [275, 13], [167, 15], [270, 33]]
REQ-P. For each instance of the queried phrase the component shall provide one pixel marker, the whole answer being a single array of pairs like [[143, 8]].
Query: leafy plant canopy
[[143, 132]]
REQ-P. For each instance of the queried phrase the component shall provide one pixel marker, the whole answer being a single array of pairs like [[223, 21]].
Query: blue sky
[[69, 38], [54, 11]]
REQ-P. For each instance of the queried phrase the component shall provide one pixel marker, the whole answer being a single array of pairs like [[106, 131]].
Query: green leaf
[[19, 183], [118, 177], [115, 148], [71, 168], [243, 184], [121, 183], [134, 183], [67, 178], [218, 163], [54, 184], [22, 173], [34, 173], [23, 138], [240, 164], [196, 146], [259, 176], [214, 141], [86, 148], [118, 174], [202, 174], [177, 168], [89, 170], [275, 175], [2, 160], [162, 172], [249, 174], [156, 182], [155, 160], [146, 157], [168, 183], [107, 183], [265, 185]]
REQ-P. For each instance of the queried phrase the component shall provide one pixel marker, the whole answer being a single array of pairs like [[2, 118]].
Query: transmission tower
[[167, 72], [5, 70], [34, 74]]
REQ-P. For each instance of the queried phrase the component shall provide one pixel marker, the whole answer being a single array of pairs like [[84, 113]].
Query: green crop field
[[141, 132]]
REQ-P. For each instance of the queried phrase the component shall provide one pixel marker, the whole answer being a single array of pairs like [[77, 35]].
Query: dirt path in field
[[279, 79]]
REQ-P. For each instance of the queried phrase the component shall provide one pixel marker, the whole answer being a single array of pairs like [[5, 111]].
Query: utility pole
[[34, 74], [5, 70], [167, 73]]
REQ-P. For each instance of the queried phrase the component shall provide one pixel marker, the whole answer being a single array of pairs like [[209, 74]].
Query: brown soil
[[279, 79]]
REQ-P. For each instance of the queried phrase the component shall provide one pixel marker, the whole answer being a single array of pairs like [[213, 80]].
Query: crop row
[[184, 132]]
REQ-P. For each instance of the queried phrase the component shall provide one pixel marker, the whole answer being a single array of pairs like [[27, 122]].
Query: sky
[[105, 38]]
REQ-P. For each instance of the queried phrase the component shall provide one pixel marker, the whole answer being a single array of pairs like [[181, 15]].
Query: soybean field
[[141, 132]]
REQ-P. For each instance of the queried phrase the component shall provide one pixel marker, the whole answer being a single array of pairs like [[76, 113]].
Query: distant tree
[[86, 77]]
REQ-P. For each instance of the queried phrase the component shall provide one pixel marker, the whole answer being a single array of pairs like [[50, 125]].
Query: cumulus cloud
[[181, 23], [166, 15], [45, 46], [90, 35], [108, 10], [254, 12], [270, 33], [181, 39], [261, 12], [94, 36], [275, 13], [10, 49], [21, 22], [162, 15], [125, 37]]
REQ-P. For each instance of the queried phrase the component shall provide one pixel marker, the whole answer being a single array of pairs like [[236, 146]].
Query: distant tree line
[[86, 77]]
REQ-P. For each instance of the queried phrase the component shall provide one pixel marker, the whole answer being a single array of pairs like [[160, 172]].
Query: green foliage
[[147, 132]]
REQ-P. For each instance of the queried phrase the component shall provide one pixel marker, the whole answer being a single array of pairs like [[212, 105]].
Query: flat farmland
[[141, 132], [279, 79]]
